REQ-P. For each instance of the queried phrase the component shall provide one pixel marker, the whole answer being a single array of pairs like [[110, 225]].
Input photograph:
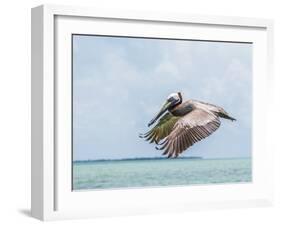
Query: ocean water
[[159, 172]]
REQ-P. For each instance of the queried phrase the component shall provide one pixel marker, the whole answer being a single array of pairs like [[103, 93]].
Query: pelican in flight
[[184, 124]]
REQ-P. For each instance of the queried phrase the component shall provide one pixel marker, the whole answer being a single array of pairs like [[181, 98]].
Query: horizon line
[[159, 158]]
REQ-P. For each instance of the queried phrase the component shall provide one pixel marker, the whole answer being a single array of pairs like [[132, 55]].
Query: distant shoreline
[[153, 158], [133, 159]]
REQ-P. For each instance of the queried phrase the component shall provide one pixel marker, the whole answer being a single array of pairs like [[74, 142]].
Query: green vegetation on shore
[[134, 159]]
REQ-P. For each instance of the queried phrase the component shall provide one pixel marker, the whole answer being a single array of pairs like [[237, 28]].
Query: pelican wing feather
[[189, 129], [162, 129]]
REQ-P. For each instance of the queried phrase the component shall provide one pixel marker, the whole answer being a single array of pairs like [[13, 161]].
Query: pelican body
[[183, 124]]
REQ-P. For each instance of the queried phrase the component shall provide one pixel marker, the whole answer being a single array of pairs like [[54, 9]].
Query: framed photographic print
[[136, 113]]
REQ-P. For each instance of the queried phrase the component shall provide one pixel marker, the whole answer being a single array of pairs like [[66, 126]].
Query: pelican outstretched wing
[[162, 129], [193, 127]]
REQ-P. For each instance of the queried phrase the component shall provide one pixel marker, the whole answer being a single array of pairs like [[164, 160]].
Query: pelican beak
[[164, 108]]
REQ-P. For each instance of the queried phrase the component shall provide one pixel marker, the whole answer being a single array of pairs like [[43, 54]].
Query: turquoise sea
[[159, 172]]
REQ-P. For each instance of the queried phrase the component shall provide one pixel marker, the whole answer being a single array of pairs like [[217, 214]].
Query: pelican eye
[[171, 99]]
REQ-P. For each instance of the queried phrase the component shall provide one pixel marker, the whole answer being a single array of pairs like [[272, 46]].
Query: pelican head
[[172, 100]]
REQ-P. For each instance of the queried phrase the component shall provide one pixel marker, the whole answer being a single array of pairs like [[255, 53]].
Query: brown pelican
[[184, 124]]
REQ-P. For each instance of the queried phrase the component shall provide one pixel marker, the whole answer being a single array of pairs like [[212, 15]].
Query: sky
[[120, 83]]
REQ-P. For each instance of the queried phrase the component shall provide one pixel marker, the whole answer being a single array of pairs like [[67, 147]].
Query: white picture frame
[[52, 196]]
